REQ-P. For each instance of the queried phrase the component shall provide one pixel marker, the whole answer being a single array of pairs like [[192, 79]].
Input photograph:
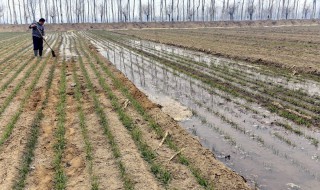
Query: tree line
[[108, 11]]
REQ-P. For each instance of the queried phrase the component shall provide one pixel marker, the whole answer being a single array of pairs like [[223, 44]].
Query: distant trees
[[80, 11]]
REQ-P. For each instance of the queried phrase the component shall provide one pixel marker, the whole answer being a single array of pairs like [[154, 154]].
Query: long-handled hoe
[[52, 52]]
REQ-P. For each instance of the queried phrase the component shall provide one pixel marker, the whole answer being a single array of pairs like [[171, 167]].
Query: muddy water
[[225, 127], [255, 72], [67, 46]]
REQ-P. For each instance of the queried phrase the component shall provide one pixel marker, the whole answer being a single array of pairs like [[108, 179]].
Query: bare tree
[[190, 16], [161, 10], [165, 9], [101, 11], [226, 10], [193, 9], [94, 11], [212, 10], [294, 8], [125, 14], [105, 11], [140, 11], [270, 9], [178, 10], [251, 8], [279, 9], [112, 10], [169, 11], [67, 11], [20, 13], [61, 12], [288, 9], [262, 9], [53, 14], [119, 10], [183, 11], [146, 11], [46, 9], [79, 11], [223, 9], [84, 13], [153, 10], [2, 13], [15, 21], [40, 7], [32, 5], [198, 6], [24, 12], [242, 5], [314, 8], [133, 9], [172, 10], [203, 5], [305, 9], [231, 11], [9, 10], [57, 11], [128, 10]]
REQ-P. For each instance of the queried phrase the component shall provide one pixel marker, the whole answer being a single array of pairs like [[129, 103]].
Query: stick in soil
[[162, 141], [179, 152]]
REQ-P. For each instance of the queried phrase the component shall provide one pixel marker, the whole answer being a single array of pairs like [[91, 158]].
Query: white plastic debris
[[293, 186]]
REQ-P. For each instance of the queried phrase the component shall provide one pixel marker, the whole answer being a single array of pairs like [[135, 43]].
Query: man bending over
[[37, 36]]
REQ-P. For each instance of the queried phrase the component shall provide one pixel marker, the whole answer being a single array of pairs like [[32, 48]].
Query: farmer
[[37, 27]]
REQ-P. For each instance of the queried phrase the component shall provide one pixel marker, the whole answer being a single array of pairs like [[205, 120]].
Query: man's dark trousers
[[38, 44]]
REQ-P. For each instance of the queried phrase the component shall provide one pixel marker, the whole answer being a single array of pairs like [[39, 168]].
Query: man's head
[[41, 21]]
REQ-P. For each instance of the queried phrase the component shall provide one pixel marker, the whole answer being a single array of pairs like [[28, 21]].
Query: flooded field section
[[261, 122]]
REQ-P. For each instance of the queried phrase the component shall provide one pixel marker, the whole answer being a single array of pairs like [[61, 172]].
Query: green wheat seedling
[[128, 184], [159, 131], [60, 178], [13, 55], [13, 121], [22, 82], [147, 153], [34, 134], [282, 138], [10, 126]]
